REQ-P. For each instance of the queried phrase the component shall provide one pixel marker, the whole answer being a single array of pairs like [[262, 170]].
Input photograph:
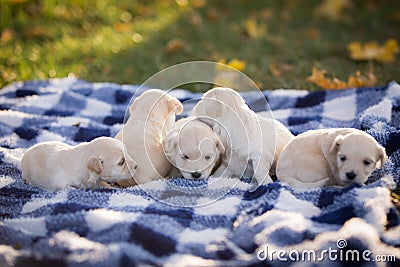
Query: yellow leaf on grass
[[6, 35], [122, 27], [318, 77], [254, 29], [332, 8], [274, 70], [234, 63], [228, 74], [174, 45], [373, 51]]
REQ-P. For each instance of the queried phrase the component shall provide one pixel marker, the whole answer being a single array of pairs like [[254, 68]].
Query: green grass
[[125, 41]]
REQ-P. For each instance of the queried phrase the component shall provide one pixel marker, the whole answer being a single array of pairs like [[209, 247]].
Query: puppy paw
[[253, 186]]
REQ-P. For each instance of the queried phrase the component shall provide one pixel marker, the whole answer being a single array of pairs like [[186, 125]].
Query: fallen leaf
[[174, 45], [198, 3], [122, 27], [253, 28], [358, 80], [266, 13], [6, 35], [226, 79], [274, 70], [237, 64], [212, 14], [227, 75], [279, 69], [36, 31], [182, 3], [332, 8], [373, 51], [234, 63], [313, 33], [195, 19]]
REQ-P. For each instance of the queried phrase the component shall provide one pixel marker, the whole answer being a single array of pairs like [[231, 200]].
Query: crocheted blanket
[[179, 222]]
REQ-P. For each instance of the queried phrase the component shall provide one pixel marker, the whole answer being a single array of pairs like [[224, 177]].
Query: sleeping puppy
[[55, 165], [247, 137], [152, 115], [326, 157], [193, 148]]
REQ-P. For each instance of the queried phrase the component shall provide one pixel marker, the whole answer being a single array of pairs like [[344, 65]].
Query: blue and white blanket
[[161, 224]]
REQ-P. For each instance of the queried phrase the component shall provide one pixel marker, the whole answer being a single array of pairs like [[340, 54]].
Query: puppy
[[56, 165], [193, 148], [152, 115], [247, 137], [326, 157]]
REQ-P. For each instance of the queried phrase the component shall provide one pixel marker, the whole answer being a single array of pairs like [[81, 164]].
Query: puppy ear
[[336, 144], [132, 107], [214, 108], [170, 143], [95, 165], [382, 157], [218, 143], [220, 147], [175, 105]]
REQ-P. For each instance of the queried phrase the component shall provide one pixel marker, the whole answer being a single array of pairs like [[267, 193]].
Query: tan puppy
[[247, 137], [193, 148], [56, 165], [325, 157], [152, 115]]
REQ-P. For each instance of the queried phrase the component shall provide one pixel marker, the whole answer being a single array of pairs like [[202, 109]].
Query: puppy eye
[[207, 157], [343, 158], [121, 162], [185, 157], [367, 162]]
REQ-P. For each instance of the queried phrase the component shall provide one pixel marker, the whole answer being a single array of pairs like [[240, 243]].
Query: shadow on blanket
[[124, 227]]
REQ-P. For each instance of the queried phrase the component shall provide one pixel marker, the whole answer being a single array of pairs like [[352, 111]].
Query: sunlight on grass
[[128, 41]]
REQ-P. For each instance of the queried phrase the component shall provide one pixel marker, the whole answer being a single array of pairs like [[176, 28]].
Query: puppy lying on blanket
[[246, 136], [152, 115], [193, 148], [56, 165], [338, 156]]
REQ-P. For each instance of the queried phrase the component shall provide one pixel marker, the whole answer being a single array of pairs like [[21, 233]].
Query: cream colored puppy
[[55, 165], [326, 157], [247, 137], [152, 115], [193, 148]]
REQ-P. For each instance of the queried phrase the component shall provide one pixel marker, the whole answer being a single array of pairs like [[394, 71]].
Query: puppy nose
[[350, 175], [196, 174]]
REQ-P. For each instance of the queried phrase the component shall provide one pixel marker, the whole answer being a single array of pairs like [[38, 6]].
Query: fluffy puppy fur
[[152, 114], [193, 148], [247, 137], [56, 165], [326, 157]]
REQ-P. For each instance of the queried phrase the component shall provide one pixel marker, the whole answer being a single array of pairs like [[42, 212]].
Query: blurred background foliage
[[126, 41]]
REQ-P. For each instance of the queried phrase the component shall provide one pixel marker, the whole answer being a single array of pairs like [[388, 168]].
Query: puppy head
[[111, 162], [155, 102], [194, 149], [216, 102], [357, 155]]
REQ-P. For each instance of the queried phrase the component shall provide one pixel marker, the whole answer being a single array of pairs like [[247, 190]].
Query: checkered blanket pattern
[[129, 226]]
